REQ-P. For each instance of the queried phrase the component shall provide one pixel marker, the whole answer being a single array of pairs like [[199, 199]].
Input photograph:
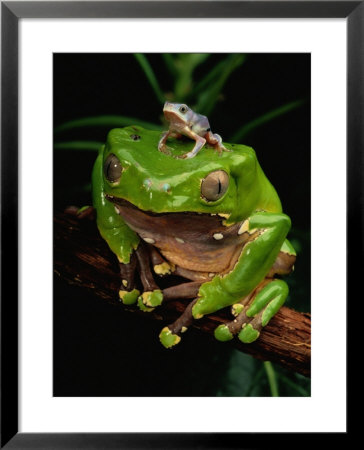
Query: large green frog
[[213, 219]]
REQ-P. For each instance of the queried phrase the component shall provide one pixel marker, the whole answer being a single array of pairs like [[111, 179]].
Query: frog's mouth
[[181, 226], [189, 240]]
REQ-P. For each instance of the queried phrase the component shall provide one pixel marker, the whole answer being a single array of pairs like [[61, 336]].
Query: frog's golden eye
[[214, 185], [183, 109], [112, 168]]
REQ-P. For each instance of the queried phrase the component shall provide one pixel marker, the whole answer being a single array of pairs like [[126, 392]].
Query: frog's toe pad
[[142, 307], [236, 309], [152, 298], [163, 269], [222, 333], [248, 334], [168, 339], [129, 297]]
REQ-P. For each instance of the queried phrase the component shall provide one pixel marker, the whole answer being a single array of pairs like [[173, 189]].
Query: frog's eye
[[214, 185], [183, 109], [112, 168]]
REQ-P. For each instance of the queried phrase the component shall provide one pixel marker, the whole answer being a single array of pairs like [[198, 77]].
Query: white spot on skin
[[244, 227], [218, 236], [211, 275], [149, 240], [116, 209], [183, 329], [181, 241]]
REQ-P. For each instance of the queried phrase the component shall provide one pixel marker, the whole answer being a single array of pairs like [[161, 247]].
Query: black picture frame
[[11, 12]]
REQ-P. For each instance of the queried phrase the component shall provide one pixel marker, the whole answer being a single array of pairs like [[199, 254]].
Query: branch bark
[[82, 257]]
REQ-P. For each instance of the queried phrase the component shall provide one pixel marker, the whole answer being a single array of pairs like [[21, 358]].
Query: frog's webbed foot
[[254, 312]]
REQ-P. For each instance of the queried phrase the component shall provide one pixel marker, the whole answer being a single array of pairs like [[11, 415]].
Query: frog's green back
[[160, 182]]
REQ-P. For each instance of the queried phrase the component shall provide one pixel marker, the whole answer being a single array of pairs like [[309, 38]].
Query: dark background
[[100, 350]]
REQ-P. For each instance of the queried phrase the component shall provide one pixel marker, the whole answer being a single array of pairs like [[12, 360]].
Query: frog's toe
[[222, 333], [129, 297], [163, 268], [249, 333], [168, 339], [263, 307], [152, 298], [236, 309], [142, 307]]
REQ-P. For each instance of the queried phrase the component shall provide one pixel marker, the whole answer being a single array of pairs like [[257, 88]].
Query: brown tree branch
[[83, 258]]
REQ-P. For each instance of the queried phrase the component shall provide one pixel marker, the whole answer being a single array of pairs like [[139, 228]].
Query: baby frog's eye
[[112, 169], [183, 109], [214, 185]]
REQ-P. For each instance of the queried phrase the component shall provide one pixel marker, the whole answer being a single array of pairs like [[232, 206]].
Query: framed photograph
[[151, 151]]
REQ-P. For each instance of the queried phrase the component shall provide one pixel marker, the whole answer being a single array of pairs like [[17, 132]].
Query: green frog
[[216, 221]]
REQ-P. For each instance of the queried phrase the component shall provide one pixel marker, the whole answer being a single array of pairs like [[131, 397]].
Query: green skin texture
[[158, 182]]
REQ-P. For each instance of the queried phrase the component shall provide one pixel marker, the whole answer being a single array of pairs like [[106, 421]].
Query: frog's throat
[[198, 242]]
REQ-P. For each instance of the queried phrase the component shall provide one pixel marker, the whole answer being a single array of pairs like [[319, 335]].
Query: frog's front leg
[[200, 142], [162, 146], [268, 232]]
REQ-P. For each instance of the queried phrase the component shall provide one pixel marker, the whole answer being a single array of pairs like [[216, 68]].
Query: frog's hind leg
[[160, 266], [128, 293], [262, 306], [181, 291], [171, 335], [216, 141], [152, 295]]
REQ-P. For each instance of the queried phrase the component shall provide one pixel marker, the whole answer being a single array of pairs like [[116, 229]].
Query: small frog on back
[[183, 121]]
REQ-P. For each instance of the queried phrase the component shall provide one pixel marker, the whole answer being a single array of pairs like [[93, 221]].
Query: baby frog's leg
[[162, 142], [200, 142], [216, 141]]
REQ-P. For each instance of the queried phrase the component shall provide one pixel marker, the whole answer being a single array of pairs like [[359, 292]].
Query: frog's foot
[[263, 305], [128, 294], [160, 266], [171, 335], [215, 141]]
